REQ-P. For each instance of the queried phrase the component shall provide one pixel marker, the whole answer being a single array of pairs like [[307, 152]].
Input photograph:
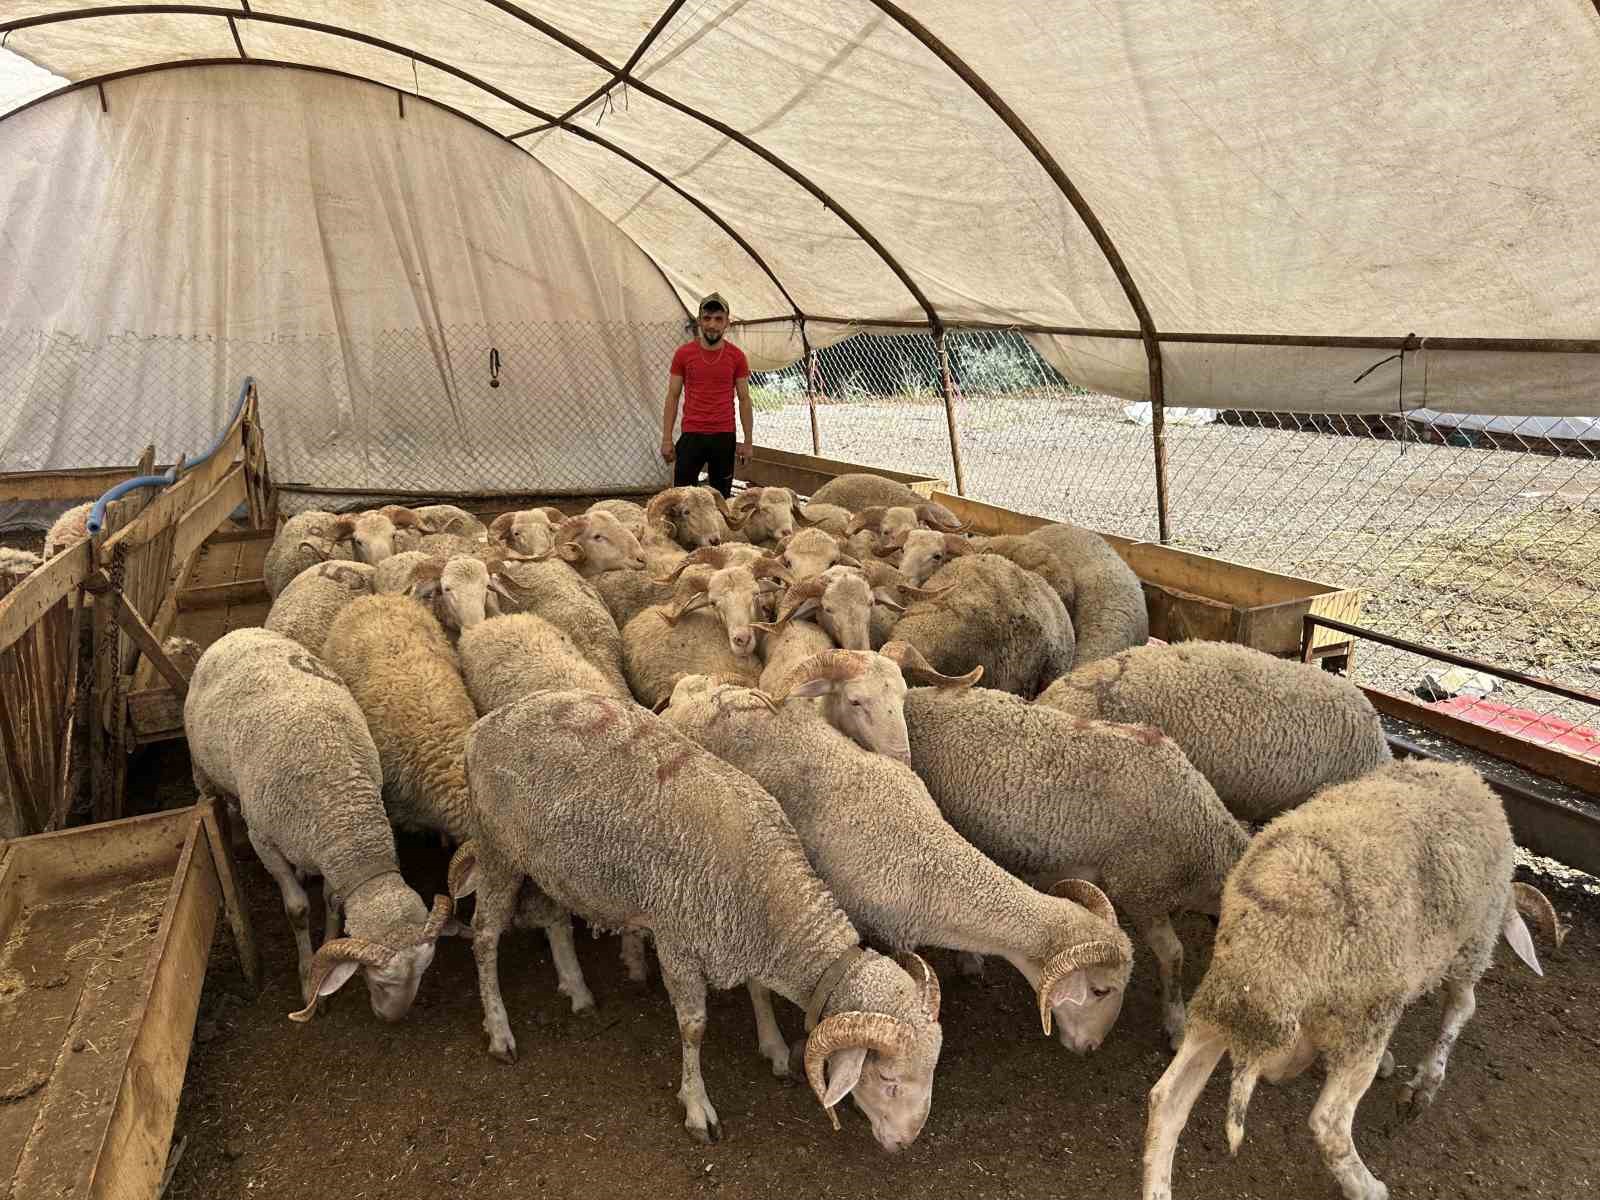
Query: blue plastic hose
[[97, 515]]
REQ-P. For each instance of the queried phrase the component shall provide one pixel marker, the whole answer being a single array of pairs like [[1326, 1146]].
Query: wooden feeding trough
[[104, 935]]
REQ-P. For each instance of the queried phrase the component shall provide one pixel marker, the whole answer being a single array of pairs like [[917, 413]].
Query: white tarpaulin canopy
[[1229, 188]]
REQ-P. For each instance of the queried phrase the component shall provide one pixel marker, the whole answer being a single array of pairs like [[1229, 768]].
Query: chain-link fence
[[466, 409], [1478, 535]]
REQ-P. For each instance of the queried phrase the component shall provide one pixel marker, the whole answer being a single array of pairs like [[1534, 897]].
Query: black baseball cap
[[713, 303]]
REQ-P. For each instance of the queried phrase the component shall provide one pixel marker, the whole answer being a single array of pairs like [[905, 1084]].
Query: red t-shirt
[[708, 379]]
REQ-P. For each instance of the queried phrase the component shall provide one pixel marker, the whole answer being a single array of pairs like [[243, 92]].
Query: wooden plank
[[201, 521], [133, 1152], [223, 537], [154, 715], [242, 591], [40, 591], [991, 518], [833, 466], [179, 497], [244, 937], [1179, 616], [1541, 760], [133, 624], [50, 864], [84, 483]]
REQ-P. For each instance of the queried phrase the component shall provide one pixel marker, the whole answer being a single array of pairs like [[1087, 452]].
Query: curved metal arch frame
[[394, 48]]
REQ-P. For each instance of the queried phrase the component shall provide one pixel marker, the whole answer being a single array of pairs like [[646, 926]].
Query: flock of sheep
[[750, 735]]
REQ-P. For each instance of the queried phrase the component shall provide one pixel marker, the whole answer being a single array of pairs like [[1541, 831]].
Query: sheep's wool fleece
[[1043, 793], [656, 655], [403, 673], [306, 608], [286, 558], [863, 817], [1266, 732], [554, 591], [864, 490], [1109, 612], [270, 723], [506, 658], [623, 820], [1347, 909], [998, 616]]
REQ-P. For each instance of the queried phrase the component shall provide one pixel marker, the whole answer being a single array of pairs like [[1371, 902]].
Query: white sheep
[[377, 534], [768, 514], [1266, 732], [70, 528], [905, 876], [305, 539], [887, 522], [305, 610], [662, 644], [393, 655], [1338, 916], [692, 516], [994, 614], [862, 489], [622, 819], [270, 725], [15, 566], [448, 518], [1047, 795], [506, 658], [1109, 612], [553, 590], [630, 514], [528, 532], [809, 552], [831, 518]]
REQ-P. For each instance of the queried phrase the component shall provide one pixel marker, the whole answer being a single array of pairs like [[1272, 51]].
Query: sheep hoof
[[1415, 1096], [505, 1052], [710, 1134], [1386, 1066]]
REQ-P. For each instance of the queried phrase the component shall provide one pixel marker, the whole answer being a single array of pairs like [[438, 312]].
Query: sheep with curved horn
[[844, 801], [270, 724], [699, 855]]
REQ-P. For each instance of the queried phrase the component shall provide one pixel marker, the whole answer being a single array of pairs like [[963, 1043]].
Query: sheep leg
[[770, 1038], [497, 900], [634, 957], [295, 905], [971, 964], [1331, 1121], [1164, 943], [1170, 1101], [687, 988], [568, 973], [1459, 1005], [333, 914]]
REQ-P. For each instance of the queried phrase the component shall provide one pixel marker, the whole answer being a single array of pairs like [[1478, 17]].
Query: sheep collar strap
[[830, 980]]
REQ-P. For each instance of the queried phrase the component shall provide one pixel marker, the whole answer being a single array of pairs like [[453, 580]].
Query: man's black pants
[[713, 451]]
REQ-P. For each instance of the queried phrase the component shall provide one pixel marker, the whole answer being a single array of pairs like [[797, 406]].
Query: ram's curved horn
[[868, 518], [330, 954], [715, 557], [911, 663], [937, 516], [837, 665], [1073, 958], [734, 520], [848, 1030]]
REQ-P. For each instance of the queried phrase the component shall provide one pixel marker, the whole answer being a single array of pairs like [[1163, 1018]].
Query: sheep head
[[769, 514], [529, 531], [840, 600], [458, 590], [371, 533], [596, 542], [863, 694], [923, 551], [1082, 984], [886, 1063], [810, 552], [735, 593], [393, 973], [692, 516]]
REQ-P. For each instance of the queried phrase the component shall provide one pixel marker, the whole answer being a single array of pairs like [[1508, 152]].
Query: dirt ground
[[349, 1106]]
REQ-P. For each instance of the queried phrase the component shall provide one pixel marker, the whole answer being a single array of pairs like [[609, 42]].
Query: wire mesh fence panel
[[459, 410]]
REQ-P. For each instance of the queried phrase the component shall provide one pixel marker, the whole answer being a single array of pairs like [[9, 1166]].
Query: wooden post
[[947, 386], [1158, 433], [811, 389]]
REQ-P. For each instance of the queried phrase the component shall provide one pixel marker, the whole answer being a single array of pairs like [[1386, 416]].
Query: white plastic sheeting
[[1265, 168], [292, 225]]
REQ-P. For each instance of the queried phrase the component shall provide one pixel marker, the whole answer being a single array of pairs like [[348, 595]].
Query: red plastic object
[[1530, 726]]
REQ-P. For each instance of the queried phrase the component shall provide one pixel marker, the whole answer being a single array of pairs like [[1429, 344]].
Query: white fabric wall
[[218, 221]]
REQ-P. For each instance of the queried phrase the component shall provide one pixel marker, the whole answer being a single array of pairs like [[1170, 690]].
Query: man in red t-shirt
[[707, 373]]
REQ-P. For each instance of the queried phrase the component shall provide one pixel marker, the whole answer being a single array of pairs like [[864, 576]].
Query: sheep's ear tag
[[1521, 942]]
